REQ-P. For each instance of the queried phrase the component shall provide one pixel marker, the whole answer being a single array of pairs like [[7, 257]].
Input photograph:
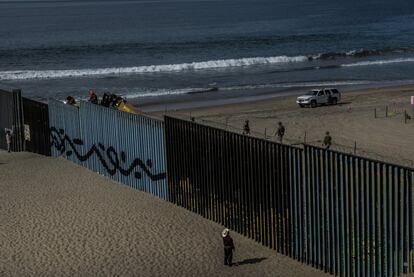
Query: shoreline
[[352, 122], [218, 98]]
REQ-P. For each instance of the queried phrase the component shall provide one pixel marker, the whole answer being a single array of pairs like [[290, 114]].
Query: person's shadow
[[250, 261]]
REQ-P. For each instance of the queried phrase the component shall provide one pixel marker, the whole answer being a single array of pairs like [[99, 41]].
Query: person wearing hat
[[228, 247]]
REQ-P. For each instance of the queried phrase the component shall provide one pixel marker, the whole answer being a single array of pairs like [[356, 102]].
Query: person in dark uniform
[[246, 128], [105, 100], [70, 100], [280, 132], [327, 141], [228, 247]]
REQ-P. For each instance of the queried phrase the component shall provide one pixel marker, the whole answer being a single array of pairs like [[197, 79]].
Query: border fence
[[358, 214], [341, 213], [36, 127], [241, 182], [126, 147], [344, 214], [11, 118]]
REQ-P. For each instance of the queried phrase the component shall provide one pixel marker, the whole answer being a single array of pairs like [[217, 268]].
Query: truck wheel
[[334, 101], [313, 104]]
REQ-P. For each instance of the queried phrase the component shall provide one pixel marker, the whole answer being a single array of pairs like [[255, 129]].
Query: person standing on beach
[[280, 132], [8, 140], [228, 247], [327, 141], [246, 128]]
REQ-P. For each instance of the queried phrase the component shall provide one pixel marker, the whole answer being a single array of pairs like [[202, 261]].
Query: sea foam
[[380, 62], [70, 73]]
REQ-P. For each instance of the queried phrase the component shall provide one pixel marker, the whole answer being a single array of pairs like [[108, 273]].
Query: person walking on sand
[[228, 247], [246, 128], [280, 132], [8, 140], [327, 141]]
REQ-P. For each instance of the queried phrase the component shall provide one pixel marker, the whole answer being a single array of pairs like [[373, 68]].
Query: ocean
[[160, 52]]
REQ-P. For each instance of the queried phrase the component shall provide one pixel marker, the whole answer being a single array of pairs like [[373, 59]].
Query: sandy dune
[[58, 219]]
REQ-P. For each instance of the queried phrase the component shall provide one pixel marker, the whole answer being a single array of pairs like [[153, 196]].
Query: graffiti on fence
[[58, 141]]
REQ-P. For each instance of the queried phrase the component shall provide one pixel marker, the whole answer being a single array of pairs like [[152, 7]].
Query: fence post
[[375, 112], [355, 148], [304, 138], [265, 135], [386, 111]]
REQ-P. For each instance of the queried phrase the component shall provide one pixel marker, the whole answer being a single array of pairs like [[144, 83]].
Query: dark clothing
[[228, 242], [228, 256], [246, 129], [327, 141], [70, 100], [281, 132], [228, 250], [93, 99]]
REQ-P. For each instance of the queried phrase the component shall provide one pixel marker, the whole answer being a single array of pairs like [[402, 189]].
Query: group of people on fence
[[108, 99], [280, 133]]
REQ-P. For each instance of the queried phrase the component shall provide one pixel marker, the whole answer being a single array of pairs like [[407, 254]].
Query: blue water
[[155, 50]]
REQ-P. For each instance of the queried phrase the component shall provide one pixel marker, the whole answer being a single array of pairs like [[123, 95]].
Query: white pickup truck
[[315, 97]]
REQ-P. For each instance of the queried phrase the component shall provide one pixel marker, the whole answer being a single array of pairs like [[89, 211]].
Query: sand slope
[[58, 219]]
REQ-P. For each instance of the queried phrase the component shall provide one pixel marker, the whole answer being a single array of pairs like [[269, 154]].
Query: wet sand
[[59, 219]]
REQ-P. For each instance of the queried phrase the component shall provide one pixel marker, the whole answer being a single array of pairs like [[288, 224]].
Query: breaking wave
[[214, 64], [380, 62], [360, 53], [163, 92]]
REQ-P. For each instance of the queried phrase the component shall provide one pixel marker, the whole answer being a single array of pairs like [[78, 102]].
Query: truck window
[[335, 91]]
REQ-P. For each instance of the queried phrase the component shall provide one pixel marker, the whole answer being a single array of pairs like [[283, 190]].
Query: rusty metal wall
[[242, 182], [359, 216], [36, 127], [344, 214]]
